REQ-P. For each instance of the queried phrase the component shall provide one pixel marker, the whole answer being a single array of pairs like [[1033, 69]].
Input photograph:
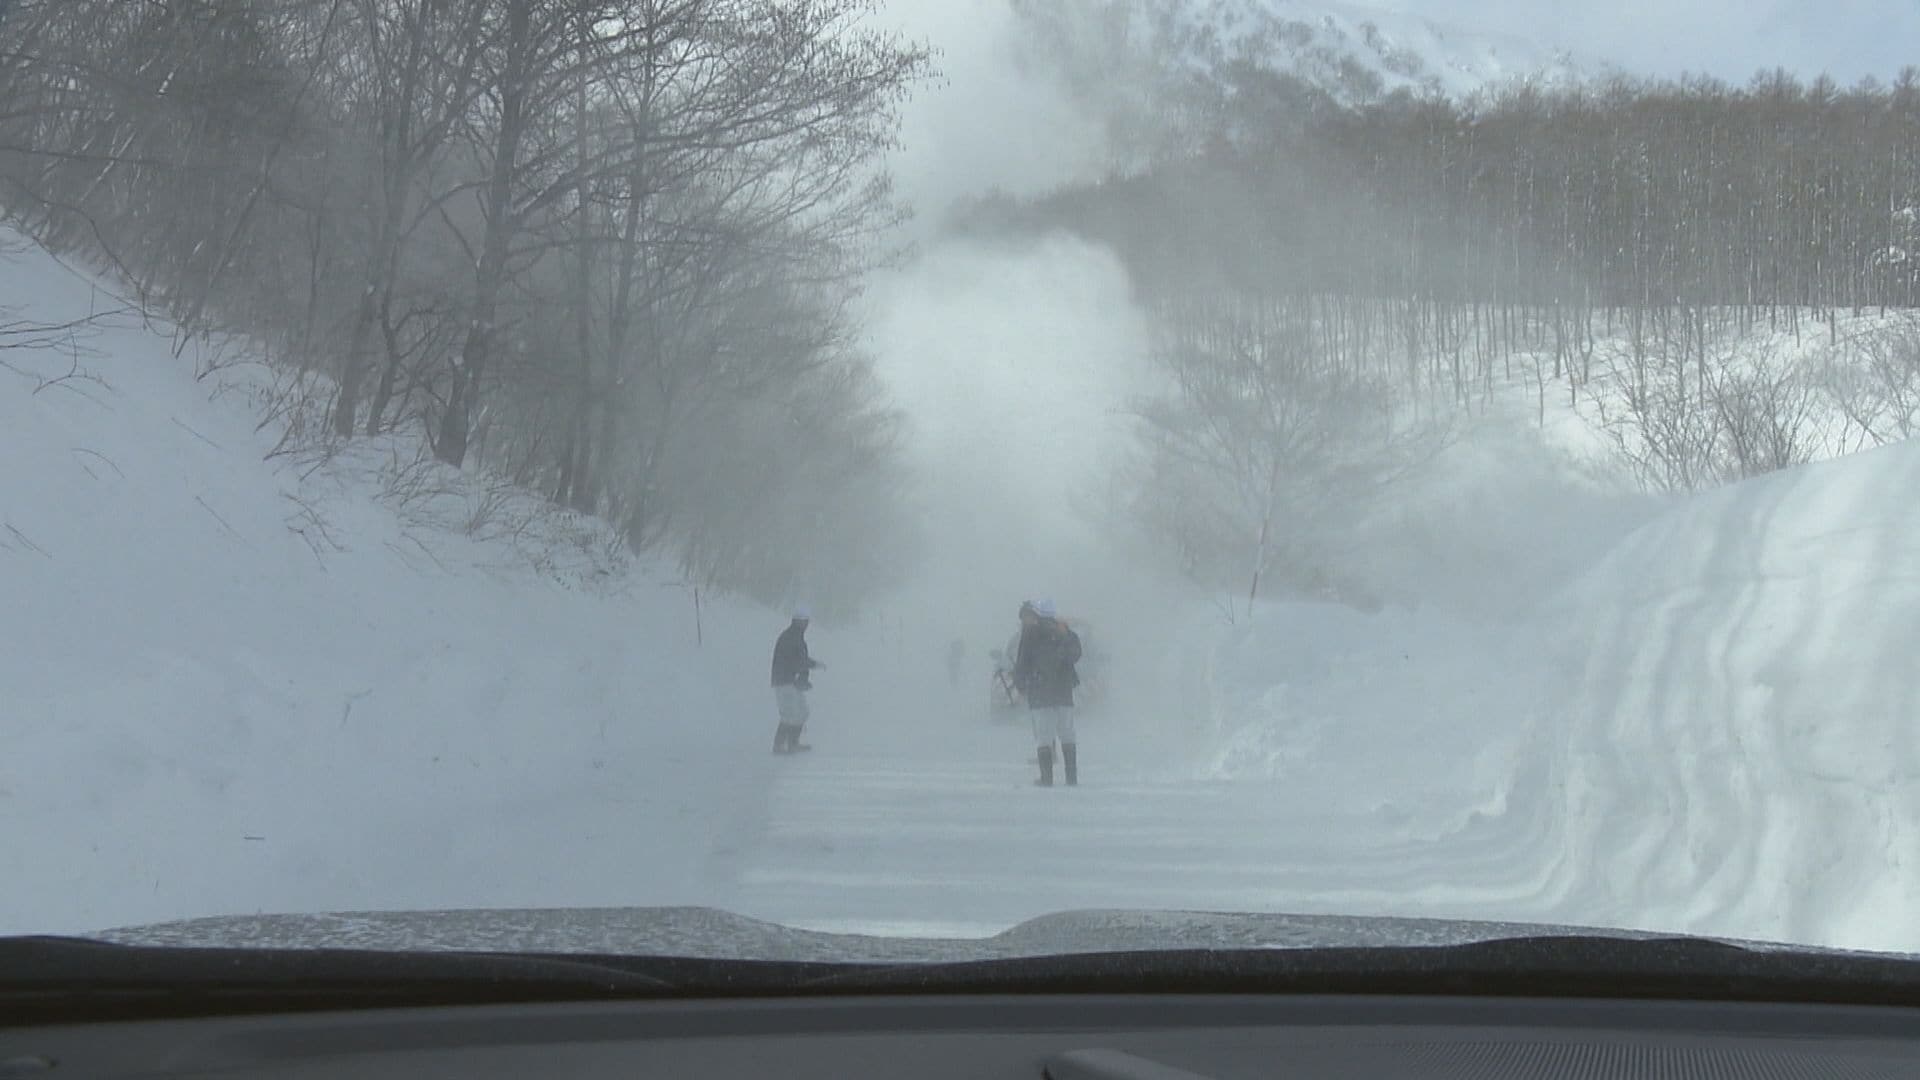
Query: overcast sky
[[1728, 38]]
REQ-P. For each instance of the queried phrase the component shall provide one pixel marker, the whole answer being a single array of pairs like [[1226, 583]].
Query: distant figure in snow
[[956, 659], [792, 678], [1044, 674]]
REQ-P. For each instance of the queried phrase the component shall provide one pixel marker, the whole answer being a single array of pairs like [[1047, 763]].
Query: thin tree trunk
[[389, 372], [456, 422], [345, 406], [577, 477]]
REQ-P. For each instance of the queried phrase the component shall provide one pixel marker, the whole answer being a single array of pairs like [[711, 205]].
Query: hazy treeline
[[1777, 196], [606, 246], [1476, 222], [1320, 268]]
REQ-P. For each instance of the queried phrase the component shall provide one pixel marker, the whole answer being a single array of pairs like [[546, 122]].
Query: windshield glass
[[911, 468]]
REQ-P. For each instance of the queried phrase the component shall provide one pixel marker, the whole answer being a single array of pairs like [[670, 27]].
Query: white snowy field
[[235, 683]]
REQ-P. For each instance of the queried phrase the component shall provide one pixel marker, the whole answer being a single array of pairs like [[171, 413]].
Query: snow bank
[[235, 684], [1702, 724], [1739, 741]]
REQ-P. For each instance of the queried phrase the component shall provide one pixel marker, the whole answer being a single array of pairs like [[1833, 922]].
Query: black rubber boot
[[1046, 767], [783, 738], [1068, 758]]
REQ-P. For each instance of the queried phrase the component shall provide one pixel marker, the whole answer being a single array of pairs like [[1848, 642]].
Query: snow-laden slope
[[1130, 63], [1711, 729], [1360, 52], [1741, 749], [233, 684]]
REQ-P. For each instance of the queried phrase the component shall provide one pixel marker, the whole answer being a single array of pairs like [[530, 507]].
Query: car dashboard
[[1058, 1036]]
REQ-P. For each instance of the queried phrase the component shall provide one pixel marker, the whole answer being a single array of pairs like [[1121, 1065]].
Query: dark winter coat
[[1044, 671], [790, 660]]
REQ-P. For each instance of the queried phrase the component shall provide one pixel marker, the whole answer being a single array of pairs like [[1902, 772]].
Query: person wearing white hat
[[1044, 675], [792, 678]]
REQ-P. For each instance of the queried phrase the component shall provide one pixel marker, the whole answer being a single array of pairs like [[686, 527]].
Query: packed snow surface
[[240, 682]]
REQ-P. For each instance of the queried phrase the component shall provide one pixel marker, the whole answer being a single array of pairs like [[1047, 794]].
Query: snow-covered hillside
[[1358, 51], [234, 683], [1129, 62]]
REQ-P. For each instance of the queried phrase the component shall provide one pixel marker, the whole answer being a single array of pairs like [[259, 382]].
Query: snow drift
[[1737, 726], [235, 683]]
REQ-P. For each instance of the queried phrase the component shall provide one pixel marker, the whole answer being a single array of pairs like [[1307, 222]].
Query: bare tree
[[569, 239], [1747, 415], [1261, 450], [1874, 380], [409, 80]]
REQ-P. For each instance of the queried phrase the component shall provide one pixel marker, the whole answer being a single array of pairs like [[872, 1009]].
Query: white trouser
[[1052, 722], [792, 703]]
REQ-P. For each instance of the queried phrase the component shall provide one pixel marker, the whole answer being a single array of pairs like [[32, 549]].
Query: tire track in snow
[[903, 844], [1744, 714]]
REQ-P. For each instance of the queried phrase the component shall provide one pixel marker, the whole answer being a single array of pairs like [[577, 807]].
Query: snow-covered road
[[953, 838]]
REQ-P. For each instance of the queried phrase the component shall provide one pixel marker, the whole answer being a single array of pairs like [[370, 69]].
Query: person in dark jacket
[[1044, 674], [792, 677], [1011, 658]]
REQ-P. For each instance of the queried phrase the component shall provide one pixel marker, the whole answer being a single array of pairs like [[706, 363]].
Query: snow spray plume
[[1013, 361]]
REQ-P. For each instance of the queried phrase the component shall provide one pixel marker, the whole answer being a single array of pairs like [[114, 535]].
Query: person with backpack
[[1044, 674], [1004, 696], [792, 679]]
